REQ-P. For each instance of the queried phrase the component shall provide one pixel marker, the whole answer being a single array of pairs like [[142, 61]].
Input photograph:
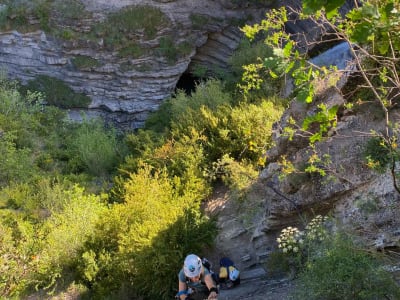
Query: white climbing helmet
[[192, 266], [234, 274]]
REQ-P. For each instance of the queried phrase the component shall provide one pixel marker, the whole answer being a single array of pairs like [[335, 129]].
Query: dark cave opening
[[187, 82]]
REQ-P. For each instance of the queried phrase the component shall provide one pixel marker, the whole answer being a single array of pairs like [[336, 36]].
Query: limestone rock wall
[[360, 199], [126, 89]]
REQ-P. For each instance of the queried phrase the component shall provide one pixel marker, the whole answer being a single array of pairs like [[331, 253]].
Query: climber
[[195, 280]]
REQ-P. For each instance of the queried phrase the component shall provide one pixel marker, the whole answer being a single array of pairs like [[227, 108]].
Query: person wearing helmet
[[195, 280]]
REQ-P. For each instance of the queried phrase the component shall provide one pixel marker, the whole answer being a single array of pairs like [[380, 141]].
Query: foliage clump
[[57, 92], [17, 14], [341, 269], [120, 28], [329, 264]]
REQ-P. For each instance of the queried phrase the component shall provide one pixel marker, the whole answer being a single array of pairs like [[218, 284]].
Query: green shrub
[[141, 240], [71, 10], [58, 93], [16, 15], [251, 53], [243, 131], [204, 127], [185, 109], [342, 270], [84, 62], [377, 154], [95, 148], [18, 246], [131, 50], [64, 234], [122, 26], [39, 237], [15, 164], [237, 176]]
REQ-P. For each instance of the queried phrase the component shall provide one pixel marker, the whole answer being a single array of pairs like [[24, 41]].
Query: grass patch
[[131, 50], [131, 23], [85, 62], [173, 51], [70, 9], [17, 15]]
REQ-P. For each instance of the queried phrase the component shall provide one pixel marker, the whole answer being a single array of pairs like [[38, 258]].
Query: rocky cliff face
[[127, 68], [358, 198]]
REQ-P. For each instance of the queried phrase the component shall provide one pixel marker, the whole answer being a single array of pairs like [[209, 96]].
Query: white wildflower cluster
[[290, 240], [315, 230]]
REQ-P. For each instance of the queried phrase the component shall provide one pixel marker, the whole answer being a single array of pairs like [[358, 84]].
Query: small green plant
[[66, 34], [95, 147], [198, 21], [85, 62], [341, 269], [200, 71], [71, 10], [58, 93], [167, 49], [369, 205], [131, 50], [377, 154], [130, 23], [172, 50], [16, 15]]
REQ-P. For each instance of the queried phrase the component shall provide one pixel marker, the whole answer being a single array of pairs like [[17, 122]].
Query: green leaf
[[305, 94], [289, 66], [287, 50], [273, 74], [362, 32], [331, 6]]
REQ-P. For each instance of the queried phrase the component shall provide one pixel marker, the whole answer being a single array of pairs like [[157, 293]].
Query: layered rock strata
[[126, 87]]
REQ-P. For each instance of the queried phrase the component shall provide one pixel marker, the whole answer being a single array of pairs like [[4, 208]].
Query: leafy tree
[[371, 32]]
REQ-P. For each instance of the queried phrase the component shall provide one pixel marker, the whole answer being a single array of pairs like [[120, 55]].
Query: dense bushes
[[127, 240], [208, 136], [341, 269], [332, 264], [141, 240]]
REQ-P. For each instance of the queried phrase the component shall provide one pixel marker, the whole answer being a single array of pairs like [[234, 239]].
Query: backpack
[[226, 265]]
